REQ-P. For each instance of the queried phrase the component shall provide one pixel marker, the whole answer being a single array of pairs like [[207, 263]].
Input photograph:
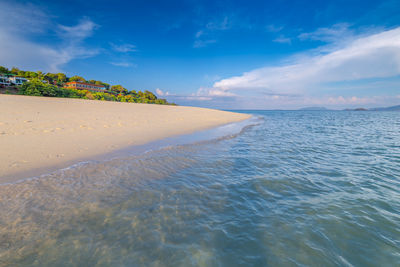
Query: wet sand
[[39, 134]]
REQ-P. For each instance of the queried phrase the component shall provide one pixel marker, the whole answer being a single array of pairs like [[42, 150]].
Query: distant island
[[356, 109], [16, 81], [392, 108]]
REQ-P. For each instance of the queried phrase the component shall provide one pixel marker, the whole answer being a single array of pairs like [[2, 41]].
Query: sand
[[40, 134]]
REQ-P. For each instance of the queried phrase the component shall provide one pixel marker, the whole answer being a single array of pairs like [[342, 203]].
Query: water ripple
[[300, 188]]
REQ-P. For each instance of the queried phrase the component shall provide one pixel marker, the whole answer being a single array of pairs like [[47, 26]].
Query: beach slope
[[39, 134]]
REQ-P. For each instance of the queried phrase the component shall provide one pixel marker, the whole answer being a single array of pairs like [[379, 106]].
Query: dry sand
[[39, 134]]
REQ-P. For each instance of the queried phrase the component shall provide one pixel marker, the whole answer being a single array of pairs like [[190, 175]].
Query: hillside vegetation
[[51, 85]]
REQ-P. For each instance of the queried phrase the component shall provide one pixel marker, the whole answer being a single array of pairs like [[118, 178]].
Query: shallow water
[[299, 188]]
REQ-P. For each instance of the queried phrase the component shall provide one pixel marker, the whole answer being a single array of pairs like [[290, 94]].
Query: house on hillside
[[4, 80], [17, 80], [84, 86]]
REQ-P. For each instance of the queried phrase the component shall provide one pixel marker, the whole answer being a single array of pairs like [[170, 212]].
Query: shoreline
[[41, 135]]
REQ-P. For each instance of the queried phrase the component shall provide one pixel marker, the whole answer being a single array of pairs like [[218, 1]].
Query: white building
[[4, 80], [17, 80]]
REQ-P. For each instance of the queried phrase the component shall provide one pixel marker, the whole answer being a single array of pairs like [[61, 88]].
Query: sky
[[279, 54]]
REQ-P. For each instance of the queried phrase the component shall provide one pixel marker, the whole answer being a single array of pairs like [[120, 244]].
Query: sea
[[284, 188]]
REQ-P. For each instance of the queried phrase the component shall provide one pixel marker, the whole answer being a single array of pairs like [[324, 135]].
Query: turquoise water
[[299, 188]]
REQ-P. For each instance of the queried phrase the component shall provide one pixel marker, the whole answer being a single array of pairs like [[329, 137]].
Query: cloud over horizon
[[374, 56], [360, 58]]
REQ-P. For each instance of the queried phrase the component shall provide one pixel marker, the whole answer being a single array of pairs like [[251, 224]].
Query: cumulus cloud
[[19, 48], [373, 56]]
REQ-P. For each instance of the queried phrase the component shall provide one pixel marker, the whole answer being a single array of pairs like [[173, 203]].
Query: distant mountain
[[314, 108], [392, 108]]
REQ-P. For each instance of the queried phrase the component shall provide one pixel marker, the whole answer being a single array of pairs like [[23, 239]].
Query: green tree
[[61, 77], [21, 73], [149, 95], [14, 70], [40, 74], [36, 87], [119, 89], [77, 79], [4, 70], [31, 74], [50, 77]]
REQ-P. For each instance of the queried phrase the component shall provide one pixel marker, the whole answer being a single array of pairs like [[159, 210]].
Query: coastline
[[40, 134]]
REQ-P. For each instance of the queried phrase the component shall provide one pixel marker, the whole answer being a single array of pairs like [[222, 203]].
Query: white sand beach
[[39, 134]]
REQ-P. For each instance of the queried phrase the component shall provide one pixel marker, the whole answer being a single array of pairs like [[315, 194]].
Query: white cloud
[[219, 25], [205, 93], [283, 40], [123, 64], [79, 32], [159, 92], [373, 56], [337, 32], [273, 28], [18, 48], [203, 43], [207, 35], [124, 48]]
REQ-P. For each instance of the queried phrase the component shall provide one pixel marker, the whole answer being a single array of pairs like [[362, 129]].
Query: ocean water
[[293, 188]]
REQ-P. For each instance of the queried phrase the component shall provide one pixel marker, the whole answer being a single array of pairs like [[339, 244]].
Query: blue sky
[[221, 54]]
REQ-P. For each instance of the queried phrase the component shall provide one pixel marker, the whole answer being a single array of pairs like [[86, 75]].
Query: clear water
[[298, 189]]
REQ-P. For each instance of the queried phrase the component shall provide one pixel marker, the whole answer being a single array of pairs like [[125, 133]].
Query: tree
[[119, 89], [50, 77], [15, 70], [40, 74], [4, 70], [133, 93], [31, 74], [36, 87], [149, 95], [21, 73], [77, 79], [61, 77]]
